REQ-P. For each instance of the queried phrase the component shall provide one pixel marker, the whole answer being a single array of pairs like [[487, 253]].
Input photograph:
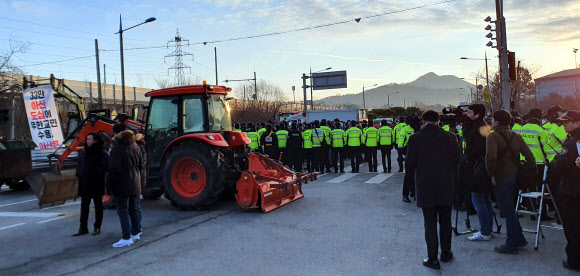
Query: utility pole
[[216, 71], [304, 89], [255, 86], [503, 55], [486, 78], [364, 101], [105, 82], [100, 100], [311, 97], [294, 94], [122, 63]]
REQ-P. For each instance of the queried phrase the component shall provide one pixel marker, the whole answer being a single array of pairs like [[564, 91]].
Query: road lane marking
[[63, 205], [28, 214], [13, 225], [10, 204], [342, 178], [45, 221], [379, 178]]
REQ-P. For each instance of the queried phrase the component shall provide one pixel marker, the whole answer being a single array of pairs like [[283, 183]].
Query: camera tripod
[[468, 224]]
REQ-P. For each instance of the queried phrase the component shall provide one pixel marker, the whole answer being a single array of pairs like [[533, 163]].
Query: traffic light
[[512, 66], [490, 34]]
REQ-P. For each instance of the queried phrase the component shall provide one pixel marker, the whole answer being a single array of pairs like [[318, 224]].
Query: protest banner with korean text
[[43, 117]]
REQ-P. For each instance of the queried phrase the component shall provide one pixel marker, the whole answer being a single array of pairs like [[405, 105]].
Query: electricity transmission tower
[[178, 54]]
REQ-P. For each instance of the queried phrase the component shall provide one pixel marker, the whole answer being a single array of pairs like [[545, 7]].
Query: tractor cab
[[192, 112]]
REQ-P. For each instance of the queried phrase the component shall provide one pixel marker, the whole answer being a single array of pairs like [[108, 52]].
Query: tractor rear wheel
[[193, 176]]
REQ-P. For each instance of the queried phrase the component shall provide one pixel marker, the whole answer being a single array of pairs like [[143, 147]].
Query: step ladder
[[546, 193]]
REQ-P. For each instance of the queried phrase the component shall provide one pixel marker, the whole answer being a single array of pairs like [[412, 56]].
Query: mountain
[[429, 88]]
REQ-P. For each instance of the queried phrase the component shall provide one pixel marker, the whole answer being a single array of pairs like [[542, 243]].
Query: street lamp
[[120, 32], [486, 73], [364, 102], [575, 63], [405, 102], [255, 96], [388, 98], [311, 97]]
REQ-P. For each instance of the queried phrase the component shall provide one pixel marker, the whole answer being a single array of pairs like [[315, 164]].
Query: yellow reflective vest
[[353, 137], [338, 138], [370, 137], [255, 140], [282, 138], [537, 138], [385, 136], [307, 139], [404, 135]]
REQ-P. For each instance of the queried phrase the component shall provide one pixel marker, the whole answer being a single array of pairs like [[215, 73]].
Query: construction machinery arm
[[94, 123]]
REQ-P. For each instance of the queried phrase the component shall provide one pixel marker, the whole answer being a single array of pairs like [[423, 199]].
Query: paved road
[[346, 224]]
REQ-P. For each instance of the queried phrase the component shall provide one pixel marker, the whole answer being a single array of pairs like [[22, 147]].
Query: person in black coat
[[474, 171], [294, 146], [566, 171], [432, 158], [124, 182], [269, 141], [91, 170]]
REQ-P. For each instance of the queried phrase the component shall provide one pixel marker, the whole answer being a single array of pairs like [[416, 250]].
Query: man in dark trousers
[[432, 158], [294, 148], [270, 142], [567, 167]]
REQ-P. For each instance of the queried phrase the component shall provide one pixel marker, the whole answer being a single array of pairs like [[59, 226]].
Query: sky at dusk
[[397, 45]]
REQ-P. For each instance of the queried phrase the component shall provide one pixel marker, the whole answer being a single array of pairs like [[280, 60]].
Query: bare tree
[[260, 107], [10, 74]]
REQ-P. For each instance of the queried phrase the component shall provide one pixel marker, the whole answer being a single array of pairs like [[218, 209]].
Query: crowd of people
[[476, 158], [493, 158], [322, 146]]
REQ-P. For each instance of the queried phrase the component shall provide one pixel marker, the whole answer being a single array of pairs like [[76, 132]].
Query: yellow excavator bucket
[[54, 187]]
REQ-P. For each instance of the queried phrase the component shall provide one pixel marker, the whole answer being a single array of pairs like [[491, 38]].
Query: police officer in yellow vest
[[354, 141], [318, 139], [386, 144], [371, 140], [326, 147], [262, 129], [398, 128], [338, 137], [282, 135], [402, 138], [307, 146], [537, 138], [556, 132], [255, 139]]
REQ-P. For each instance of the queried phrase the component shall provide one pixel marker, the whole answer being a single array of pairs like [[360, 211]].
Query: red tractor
[[193, 155]]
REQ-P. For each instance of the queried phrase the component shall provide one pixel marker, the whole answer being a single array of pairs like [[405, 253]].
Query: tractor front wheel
[[193, 176]]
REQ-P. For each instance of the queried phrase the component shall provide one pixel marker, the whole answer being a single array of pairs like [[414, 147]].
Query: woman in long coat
[[91, 170]]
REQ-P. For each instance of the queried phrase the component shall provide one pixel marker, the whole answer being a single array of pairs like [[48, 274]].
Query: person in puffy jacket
[[124, 183]]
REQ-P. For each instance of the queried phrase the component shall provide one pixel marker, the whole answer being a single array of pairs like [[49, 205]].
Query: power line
[[57, 61], [300, 29], [67, 29]]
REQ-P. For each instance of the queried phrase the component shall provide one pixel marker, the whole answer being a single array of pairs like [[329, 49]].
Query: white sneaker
[[479, 237], [123, 243], [136, 237]]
